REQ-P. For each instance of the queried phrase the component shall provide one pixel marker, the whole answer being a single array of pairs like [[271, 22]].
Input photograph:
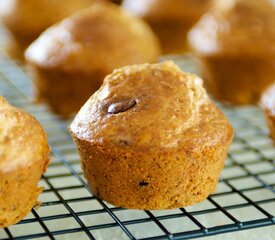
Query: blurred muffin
[[268, 105], [170, 20], [71, 59], [236, 44], [26, 19], [150, 138], [23, 158]]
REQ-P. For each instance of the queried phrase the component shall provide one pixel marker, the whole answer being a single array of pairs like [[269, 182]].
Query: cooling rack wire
[[245, 197]]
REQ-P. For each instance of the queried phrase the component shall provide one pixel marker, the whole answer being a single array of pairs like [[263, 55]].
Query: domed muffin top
[[22, 139], [104, 36], [236, 27], [32, 16], [151, 107]]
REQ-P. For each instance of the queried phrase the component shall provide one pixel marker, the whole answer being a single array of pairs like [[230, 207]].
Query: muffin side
[[175, 180]]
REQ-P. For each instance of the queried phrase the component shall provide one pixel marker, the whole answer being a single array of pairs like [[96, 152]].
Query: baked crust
[[150, 138], [23, 158], [71, 59], [26, 19], [235, 42], [170, 20]]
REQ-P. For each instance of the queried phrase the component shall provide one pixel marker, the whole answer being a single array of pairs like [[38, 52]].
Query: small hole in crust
[[143, 183]]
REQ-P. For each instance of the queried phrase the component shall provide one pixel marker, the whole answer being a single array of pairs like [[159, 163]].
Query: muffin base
[[65, 92], [238, 81], [160, 180]]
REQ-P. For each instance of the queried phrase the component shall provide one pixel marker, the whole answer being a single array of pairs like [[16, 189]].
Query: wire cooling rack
[[245, 197]]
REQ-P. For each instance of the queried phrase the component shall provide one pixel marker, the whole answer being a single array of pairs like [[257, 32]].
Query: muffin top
[[34, 16], [151, 107], [163, 10], [22, 139], [103, 36], [268, 100], [236, 27]]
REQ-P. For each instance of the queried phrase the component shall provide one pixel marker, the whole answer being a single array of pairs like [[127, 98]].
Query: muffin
[[26, 19], [155, 126], [170, 20], [268, 106], [71, 59], [235, 42], [23, 158]]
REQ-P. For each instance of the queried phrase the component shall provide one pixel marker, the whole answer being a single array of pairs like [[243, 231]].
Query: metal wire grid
[[245, 197]]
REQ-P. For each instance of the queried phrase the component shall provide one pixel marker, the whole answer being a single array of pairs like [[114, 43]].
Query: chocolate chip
[[123, 142], [143, 183], [119, 107]]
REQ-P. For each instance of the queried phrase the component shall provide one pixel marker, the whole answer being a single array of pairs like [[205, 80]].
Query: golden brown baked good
[[150, 138], [71, 59], [26, 19], [236, 44], [268, 105], [170, 20], [23, 158]]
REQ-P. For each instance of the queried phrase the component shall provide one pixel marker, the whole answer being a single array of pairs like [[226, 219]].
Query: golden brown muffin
[[26, 19], [23, 158], [268, 105], [236, 44], [71, 59], [170, 20], [150, 138]]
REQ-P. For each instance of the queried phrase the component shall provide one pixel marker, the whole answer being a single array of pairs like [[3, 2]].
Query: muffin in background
[[26, 19], [268, 106], [169, 19], [71, 59], [236, 45], [150, 138]]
